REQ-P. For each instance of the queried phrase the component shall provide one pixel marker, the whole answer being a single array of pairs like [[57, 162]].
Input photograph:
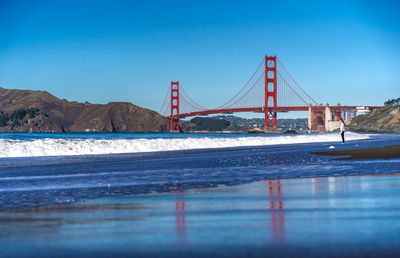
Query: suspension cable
[[296, 82], [226, 103], [165, 99], [247, 92], [291, 88], [183, 97], [194, 102]]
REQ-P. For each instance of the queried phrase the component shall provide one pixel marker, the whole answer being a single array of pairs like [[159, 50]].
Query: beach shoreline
[[386, 152]]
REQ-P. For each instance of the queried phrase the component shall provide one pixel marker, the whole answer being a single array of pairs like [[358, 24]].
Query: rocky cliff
[[385, 120], [39, 111]]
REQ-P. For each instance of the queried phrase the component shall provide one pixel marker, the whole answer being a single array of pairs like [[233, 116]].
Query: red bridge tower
[[270, 91], [174, 107]]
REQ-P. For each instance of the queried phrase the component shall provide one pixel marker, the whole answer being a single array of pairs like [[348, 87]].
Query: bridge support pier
[[327, 119], [270, 117], [316, 118], [174, 107]]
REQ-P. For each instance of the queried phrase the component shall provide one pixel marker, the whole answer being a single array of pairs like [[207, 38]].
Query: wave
[[61, 147], [25, 178]]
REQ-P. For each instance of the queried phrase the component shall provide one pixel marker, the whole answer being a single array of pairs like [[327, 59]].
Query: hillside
[[39, 111], [239, 124], [205, 123], [385, 120], [245, 124]]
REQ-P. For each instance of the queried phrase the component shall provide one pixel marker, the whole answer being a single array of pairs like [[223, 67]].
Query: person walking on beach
[[342, 129]]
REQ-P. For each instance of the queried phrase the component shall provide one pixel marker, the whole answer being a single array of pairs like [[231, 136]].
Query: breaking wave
[[65, 146]]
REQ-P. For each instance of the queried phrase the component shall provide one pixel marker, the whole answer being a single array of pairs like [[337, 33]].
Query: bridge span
[[270, 90]]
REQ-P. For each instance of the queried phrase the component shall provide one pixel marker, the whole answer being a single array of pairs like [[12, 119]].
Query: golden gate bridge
[[270, 89]]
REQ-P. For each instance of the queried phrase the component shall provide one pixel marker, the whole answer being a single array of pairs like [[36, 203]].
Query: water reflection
[[277, 224], [329, 185], [320, 184], [180, 217]]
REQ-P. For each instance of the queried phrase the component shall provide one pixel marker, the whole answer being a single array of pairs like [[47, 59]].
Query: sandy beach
[[387, 152]]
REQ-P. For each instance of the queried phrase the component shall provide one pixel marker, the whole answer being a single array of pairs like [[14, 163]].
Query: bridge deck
[[271, 109]]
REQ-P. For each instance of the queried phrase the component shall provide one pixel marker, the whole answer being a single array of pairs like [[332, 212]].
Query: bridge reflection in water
[[276, 211], [277, 224], [180, 217]]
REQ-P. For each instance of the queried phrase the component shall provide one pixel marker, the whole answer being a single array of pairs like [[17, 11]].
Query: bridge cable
[[226, 103], [247, 91], [193, 102], [165, 99], [291, 88], [296, 82], [188, 102], [232, 103]]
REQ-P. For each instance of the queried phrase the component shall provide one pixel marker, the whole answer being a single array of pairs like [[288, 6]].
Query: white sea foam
[[59, 147]]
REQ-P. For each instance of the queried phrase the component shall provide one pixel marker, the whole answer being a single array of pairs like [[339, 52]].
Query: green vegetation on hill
[[392, 102], [210, 124], [3, 119], [18, 117]]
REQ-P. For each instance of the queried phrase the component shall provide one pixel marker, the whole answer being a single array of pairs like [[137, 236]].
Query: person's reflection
[[180, 217], [320, 184], [276, 207], [328, 185]]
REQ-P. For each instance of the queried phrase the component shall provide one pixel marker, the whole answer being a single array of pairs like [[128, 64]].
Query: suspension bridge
[[270, 89]]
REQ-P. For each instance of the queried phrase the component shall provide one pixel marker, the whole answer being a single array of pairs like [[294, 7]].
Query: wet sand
[[387, 152], [348, 216]]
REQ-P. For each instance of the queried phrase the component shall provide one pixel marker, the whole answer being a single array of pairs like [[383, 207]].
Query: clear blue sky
[[102, 51]]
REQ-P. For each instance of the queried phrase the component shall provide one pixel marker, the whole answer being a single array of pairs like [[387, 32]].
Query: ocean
[[61, 144], [150, 194], [48, 168]]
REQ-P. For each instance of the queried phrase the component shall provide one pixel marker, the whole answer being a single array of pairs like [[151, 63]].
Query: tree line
[[15, 117], [210, 124], [392, 102]]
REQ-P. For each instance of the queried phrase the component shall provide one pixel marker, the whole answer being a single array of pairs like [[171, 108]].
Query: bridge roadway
[[270, 109]]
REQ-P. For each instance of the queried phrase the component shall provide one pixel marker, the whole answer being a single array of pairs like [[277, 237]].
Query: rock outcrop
[[39, 111], [385, 120]]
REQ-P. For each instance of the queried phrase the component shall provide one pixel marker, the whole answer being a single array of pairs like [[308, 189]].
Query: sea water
[[45, 169], [60, 144], [188, 195]]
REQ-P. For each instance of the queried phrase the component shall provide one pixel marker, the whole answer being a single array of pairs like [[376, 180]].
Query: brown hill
[[39, 111], [385, 120]]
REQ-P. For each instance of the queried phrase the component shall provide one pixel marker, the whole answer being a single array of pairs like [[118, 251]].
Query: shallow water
[[312, 217]]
